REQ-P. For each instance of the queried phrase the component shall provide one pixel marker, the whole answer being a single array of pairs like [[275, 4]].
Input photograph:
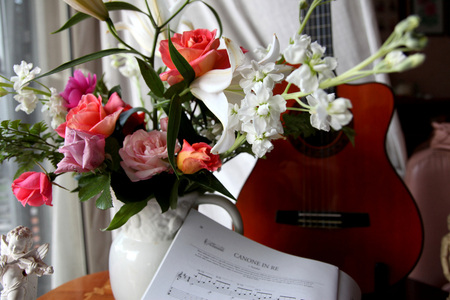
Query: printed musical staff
[[205, 286]]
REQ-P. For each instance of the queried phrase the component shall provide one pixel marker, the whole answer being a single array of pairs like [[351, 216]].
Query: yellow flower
[[94, 8]]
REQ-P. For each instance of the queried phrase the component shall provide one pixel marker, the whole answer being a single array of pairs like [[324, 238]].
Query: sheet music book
[[207, 261]]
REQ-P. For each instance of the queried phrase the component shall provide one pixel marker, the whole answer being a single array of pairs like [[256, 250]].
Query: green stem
[[176, 13], [308, 15], [40, 140], [150, 15], [237, 143], [113, 31], [297, 109]]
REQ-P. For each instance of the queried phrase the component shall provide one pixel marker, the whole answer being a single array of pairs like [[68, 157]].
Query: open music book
[[207, 261]]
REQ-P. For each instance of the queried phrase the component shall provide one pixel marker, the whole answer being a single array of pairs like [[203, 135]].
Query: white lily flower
[[27, 100], [260, 142], [25, 73], [263, 109], [94, 8], [141, 28], [296, 53], [56, 108], [327, 111], [210, 89], [314, 69]]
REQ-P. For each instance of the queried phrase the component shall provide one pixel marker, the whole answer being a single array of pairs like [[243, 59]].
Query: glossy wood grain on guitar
[[384, 225]]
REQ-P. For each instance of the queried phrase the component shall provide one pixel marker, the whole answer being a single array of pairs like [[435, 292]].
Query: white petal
[[274, 52], [215, 81], [217, 103]]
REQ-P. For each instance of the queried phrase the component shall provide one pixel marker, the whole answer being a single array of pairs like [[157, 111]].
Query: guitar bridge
[[325, 220]]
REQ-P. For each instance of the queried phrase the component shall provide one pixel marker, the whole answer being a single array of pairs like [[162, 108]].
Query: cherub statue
[[445, 253], [20, 266]]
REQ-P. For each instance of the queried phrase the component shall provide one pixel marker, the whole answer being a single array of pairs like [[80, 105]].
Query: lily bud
[[303, 4], [415, 41], [3, 92], [410, 62], [391, 61], [407, 25], [94, 8]]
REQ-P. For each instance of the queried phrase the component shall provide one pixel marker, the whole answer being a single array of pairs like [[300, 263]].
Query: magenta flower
[[77, 86], [83, 152]]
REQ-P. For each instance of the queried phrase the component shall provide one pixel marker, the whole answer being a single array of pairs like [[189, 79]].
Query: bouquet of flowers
[[207, 106]]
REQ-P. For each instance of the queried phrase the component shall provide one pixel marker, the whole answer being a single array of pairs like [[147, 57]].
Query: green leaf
[[126, 114], [216, 15], [350, 133], [120, 5], [93, 184], [116, 89], [298, 124], [125, 213], [104, 201], [208, 180], [173, 127], [181, 64], [151, 78], [76, 18], [173, 200], [112, 147], [115, 5], [164, 189], [85, 59]]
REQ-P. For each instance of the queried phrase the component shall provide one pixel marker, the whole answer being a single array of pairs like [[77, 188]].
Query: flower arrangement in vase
[[207, 105]]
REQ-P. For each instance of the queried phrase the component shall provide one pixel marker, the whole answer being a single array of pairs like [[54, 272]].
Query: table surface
[[94, 286]]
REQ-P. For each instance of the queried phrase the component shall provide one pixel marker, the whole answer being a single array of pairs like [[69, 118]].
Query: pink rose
[[144, 154], [83, 152], [78, 86], [90, 116], [193, 158], [33, 188], [199, 48]]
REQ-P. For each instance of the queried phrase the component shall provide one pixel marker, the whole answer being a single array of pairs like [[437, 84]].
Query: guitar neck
[[319, 27]]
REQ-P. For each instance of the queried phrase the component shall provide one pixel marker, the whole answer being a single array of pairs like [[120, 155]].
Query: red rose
[[192, 159], [199, 48], [33, 188]]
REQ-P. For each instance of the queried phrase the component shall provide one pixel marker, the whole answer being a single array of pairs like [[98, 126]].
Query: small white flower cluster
[[56, 109], [27, 98], [258, 115]]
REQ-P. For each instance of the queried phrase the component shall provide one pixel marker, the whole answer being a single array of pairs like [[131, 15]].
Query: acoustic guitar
[[325, 199]]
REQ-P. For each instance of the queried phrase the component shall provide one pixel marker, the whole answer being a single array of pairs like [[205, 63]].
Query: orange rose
[[192, 159], [199, 48], [90, 116]]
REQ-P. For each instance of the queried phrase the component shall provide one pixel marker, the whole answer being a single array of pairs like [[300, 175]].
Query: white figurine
[[20, 266]]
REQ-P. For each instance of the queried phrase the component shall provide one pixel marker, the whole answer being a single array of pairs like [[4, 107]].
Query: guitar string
[[319, 28]]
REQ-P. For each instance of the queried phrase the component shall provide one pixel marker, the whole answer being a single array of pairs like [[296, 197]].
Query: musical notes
[[205, 286]]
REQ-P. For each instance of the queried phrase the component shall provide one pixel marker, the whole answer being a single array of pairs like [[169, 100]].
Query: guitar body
[[355, 179]]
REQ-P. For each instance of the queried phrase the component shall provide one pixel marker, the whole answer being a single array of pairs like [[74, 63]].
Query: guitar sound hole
[[322, 143]]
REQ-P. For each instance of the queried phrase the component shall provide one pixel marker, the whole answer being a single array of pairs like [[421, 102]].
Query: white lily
[[210, 89], [140, 26], [94, 8]]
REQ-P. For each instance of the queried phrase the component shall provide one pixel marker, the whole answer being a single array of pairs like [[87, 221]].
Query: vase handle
[[225, 204]]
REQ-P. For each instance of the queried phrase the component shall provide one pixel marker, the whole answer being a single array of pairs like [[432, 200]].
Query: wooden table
[[90, 287], [97, 287]]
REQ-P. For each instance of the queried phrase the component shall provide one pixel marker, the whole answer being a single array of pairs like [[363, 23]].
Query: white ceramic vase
[[142, 242]]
